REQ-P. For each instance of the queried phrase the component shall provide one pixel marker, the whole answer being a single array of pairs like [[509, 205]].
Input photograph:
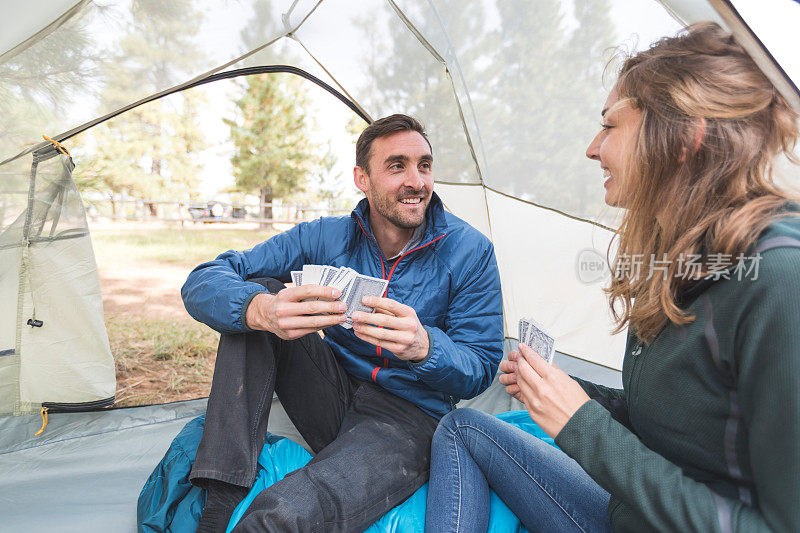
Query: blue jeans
[[546, 489]]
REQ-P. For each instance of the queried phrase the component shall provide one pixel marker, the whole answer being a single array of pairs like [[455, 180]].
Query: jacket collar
[[434, 217]]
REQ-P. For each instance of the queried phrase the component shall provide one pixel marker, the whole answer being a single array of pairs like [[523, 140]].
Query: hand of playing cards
[[354, 286], [534, 335]]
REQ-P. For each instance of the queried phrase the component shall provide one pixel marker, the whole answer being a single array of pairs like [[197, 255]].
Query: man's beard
[[390, 210]]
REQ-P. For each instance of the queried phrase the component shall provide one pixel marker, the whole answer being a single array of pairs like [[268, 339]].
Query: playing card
[[540, 341], [343, 280], [312, 274], [337, 275], [359, 287], [524, 327], [328, 274], [297, 277]]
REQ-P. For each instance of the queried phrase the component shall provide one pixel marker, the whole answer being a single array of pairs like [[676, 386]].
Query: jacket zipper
[[638, 354], [375, 370]]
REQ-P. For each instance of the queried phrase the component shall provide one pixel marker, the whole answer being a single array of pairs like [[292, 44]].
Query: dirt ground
[[131, 286], [161, 353]]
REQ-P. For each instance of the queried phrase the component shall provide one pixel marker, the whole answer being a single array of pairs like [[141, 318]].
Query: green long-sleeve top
[[705, 434]]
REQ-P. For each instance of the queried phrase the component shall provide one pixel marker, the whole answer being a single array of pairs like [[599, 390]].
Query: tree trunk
[[265, 197], [155, 169]]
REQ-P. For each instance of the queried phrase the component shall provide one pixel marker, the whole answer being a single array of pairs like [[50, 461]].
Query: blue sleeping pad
[[169, 503]]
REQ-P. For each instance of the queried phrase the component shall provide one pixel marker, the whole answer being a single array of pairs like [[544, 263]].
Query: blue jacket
[[451, 281]]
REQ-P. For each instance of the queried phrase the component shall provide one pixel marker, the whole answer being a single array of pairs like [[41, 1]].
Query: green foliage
[[533, 70], [38, 83], [274, 156], [152, 151], [274, 153]]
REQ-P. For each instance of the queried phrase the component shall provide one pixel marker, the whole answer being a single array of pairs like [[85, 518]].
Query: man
[[366, 400]]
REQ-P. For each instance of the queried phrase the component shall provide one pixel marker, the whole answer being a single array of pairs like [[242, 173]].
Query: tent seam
[[59, 21], [529, 202], [553, 209], [155, 96], [747, 38], [23, 266], [294, 36]]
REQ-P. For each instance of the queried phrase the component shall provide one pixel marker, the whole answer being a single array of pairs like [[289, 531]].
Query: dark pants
[[372, 448]]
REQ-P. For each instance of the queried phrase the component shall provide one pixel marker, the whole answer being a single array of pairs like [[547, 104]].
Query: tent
[[507, 89]]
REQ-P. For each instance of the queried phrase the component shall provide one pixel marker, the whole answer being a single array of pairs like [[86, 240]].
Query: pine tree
[[40, 83], [534, 81], [329, 186], [548, 67], [150, 152], [274, 154], [406, 78]]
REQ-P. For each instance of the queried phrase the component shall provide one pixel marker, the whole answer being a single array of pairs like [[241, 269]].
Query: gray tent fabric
[[85, 471]]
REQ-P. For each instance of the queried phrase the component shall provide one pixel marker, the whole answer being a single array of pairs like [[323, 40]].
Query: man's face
[[400, 181]]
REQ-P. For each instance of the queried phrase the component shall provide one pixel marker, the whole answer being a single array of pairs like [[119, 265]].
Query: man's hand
[[509, 376], [286, 314], [393, 326], [549, 394]]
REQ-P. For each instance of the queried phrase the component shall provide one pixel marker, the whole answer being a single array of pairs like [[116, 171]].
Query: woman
[[705, 435]]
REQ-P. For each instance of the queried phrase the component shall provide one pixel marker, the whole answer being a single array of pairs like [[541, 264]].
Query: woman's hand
[[549, 394]]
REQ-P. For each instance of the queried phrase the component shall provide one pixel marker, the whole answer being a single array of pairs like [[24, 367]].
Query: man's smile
[[415, 200]]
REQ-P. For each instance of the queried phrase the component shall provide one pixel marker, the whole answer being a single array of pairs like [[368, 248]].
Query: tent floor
[[84, 473]]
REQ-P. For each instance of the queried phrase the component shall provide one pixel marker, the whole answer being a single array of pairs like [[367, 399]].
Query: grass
[[185, 247], [160, 360]]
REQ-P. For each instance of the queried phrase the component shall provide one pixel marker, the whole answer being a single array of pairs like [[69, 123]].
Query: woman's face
[[614, 146]]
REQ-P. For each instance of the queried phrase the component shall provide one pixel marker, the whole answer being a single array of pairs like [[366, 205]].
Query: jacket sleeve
[[655, 490], [613, 400], [217, 293], [463, 359]]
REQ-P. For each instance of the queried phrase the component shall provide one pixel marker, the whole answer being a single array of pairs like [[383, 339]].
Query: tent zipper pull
[[44, 422]]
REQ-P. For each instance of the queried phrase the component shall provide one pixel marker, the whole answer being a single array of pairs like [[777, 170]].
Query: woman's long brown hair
[[700, 180]]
